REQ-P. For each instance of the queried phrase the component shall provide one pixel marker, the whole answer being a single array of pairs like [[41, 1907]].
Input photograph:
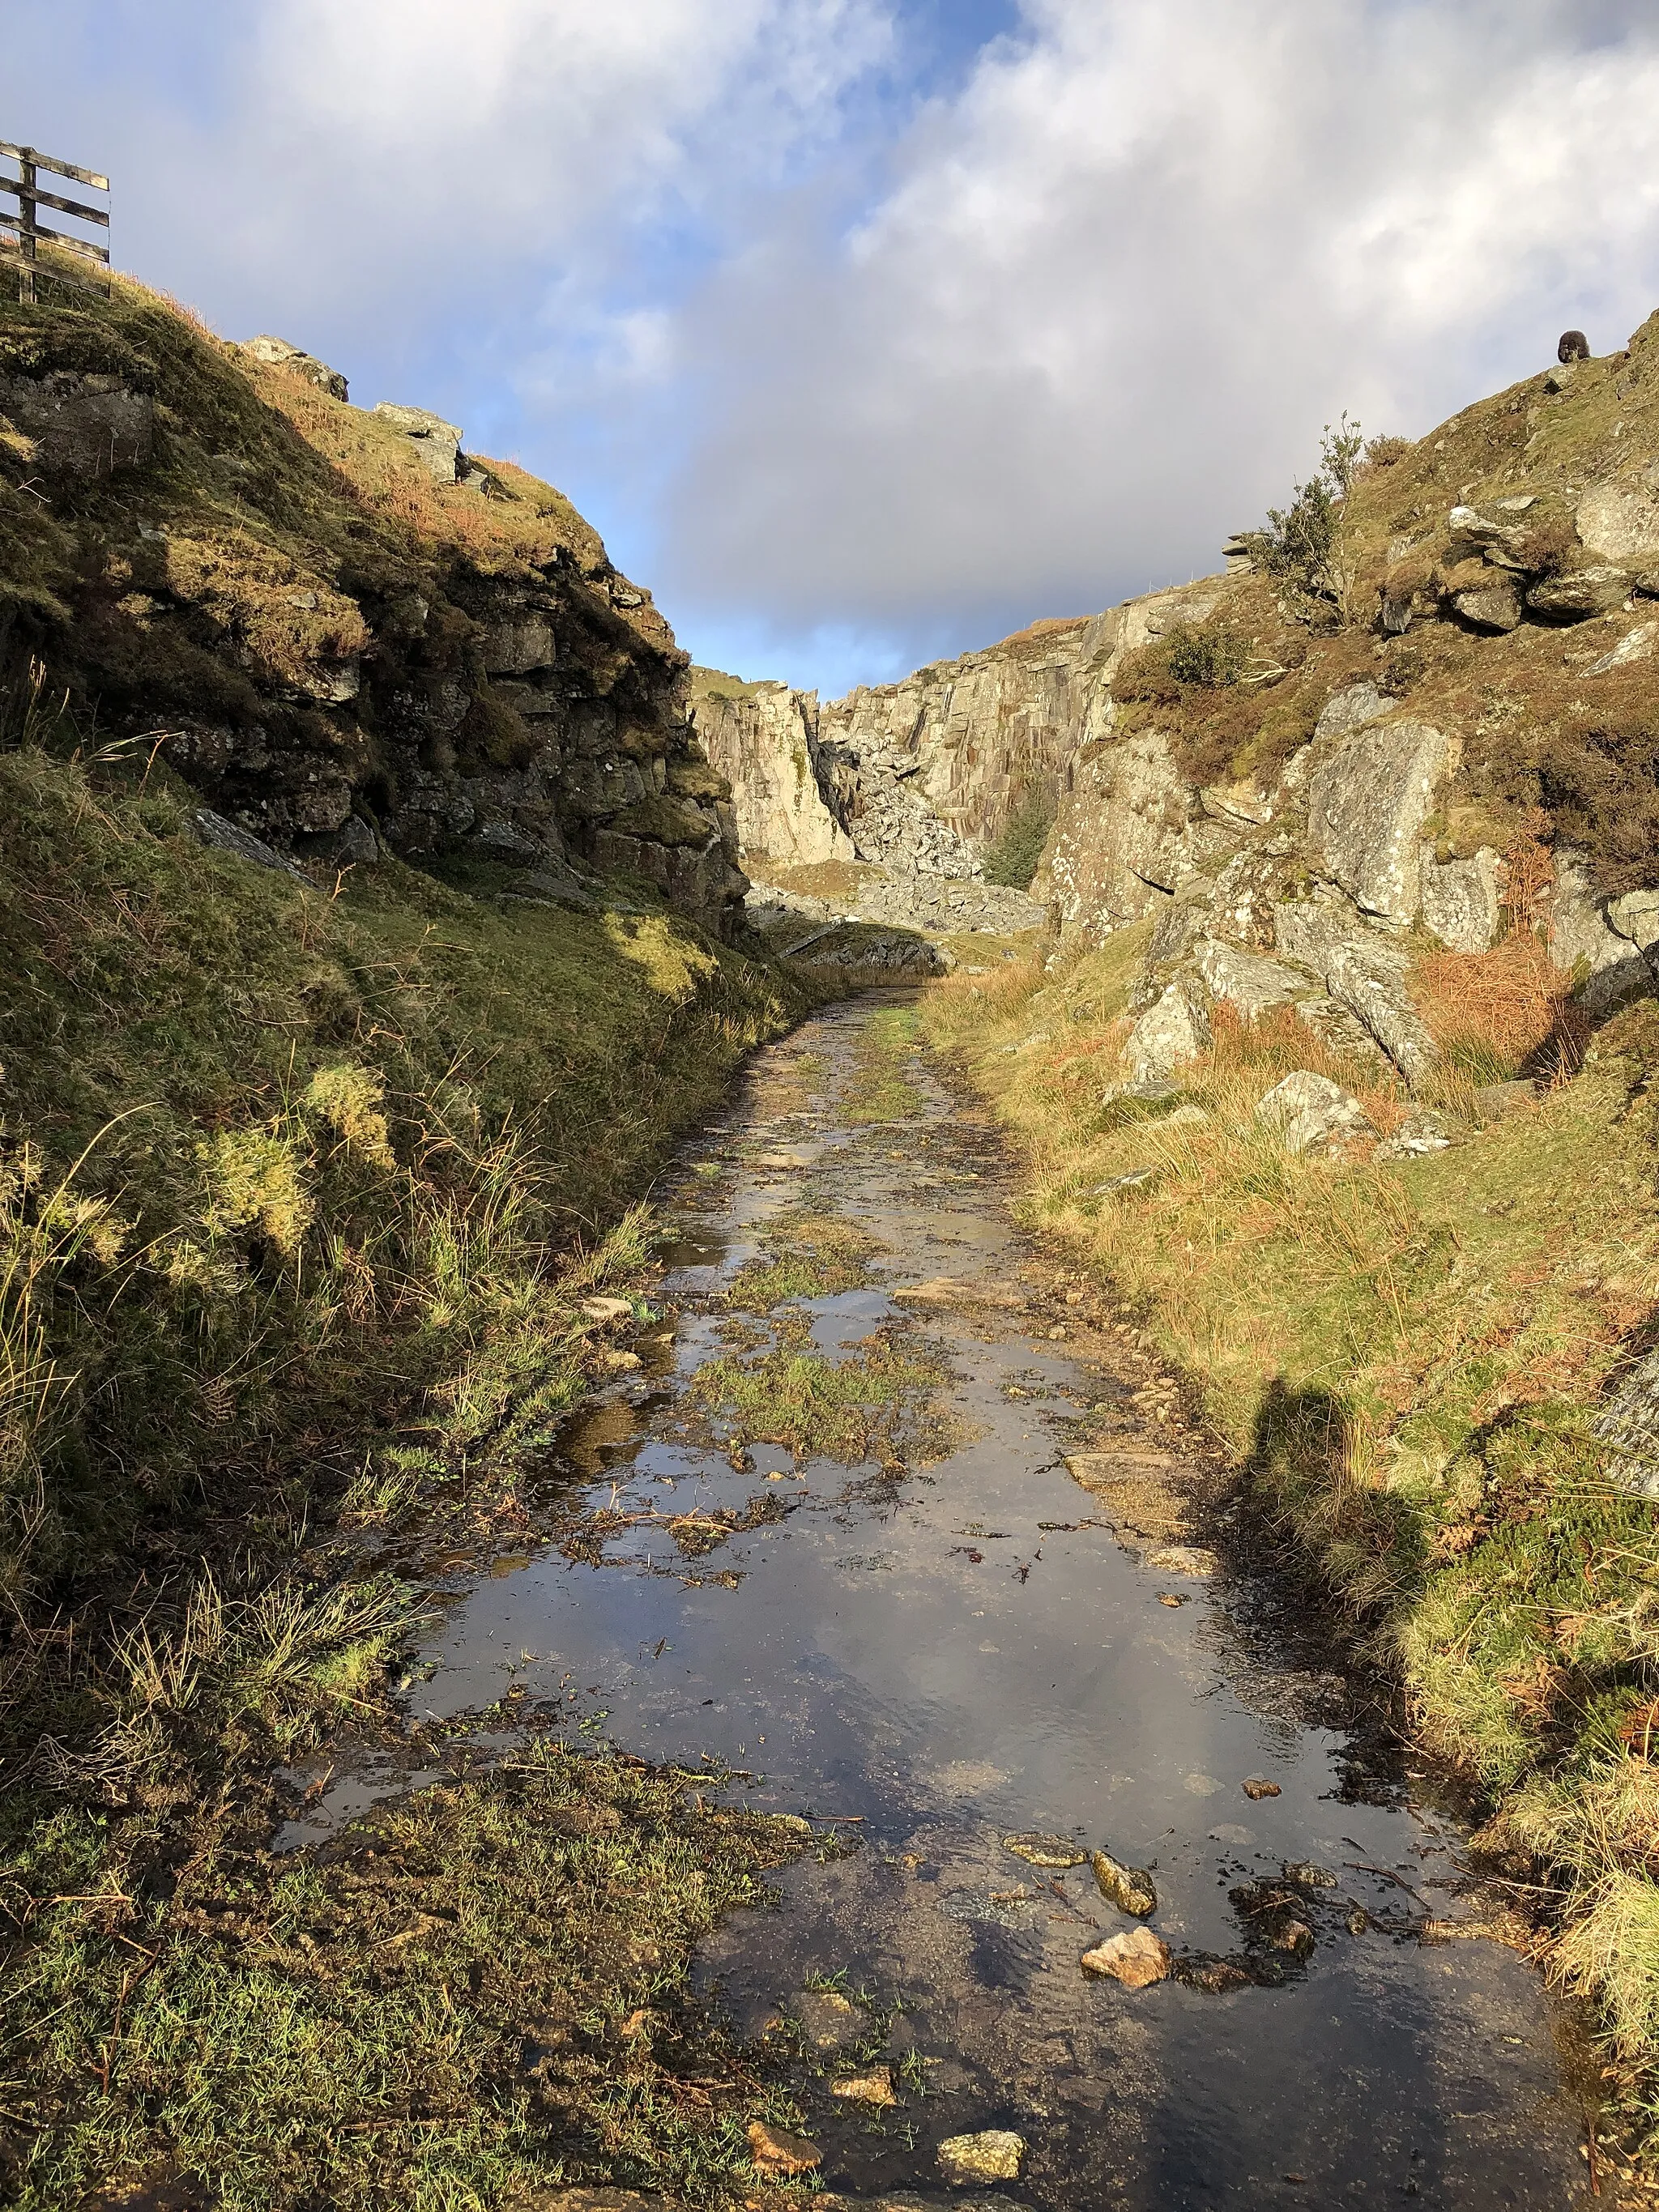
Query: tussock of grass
[[1409, 1360], [881, 1089], [807, 1255], [866, 1406]]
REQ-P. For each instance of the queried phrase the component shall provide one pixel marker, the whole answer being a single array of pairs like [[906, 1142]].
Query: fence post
[[28, 209]]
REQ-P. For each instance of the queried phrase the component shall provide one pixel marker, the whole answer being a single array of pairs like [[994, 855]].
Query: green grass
[[882, 1088], [806, 1255], [300, 1197], [1406, 1361], [480, 1989], [869, 1405]]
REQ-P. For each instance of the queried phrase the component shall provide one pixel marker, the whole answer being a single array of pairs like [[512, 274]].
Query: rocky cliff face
[[972, 739], [914, 781], [340, 627], [1315, 785]]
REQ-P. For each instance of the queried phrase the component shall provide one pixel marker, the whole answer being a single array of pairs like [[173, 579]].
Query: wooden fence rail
[[21, 233]]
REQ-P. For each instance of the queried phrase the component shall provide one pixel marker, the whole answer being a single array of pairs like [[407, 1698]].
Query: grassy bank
[[1407, 1360], [302, 1193]]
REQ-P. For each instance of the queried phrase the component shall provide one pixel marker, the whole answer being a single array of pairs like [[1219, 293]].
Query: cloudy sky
[[867, 331]]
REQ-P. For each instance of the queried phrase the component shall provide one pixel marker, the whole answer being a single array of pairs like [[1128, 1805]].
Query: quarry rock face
[[394, 648], [1368, 798], [763, 738]]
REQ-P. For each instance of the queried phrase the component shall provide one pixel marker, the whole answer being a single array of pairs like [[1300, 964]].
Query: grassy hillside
[[301, 1192], [1408, 1359]]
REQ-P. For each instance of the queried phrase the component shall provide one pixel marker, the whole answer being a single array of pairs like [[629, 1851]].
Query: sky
[[867, 331]]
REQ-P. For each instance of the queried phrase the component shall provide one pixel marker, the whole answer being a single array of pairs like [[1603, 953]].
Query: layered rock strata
[[343, 631]]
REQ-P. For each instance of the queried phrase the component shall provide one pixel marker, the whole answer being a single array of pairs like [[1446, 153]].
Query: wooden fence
[[21, 233]]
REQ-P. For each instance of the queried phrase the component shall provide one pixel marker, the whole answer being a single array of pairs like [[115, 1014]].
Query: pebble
[[1129, 1888], [1136, 1959], [780, 2155], [608, 1308], [993, 2155], [875, 2088], [1045, 1850], [829, 2020], [1294, 1936], [1256, 1788], [1308, 1873]]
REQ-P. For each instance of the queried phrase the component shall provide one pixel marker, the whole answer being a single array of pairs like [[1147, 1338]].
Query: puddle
[[932, 1659]]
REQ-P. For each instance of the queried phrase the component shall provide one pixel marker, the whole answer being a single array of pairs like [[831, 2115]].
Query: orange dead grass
[[1510, 1008]]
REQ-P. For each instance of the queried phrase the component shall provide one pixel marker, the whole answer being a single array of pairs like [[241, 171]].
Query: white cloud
[[1122, 280], [843, 375]]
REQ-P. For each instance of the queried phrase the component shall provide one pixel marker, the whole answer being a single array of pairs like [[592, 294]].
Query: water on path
[[942, 1654]]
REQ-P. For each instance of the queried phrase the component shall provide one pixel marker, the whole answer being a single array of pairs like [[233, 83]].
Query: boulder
[[222, 836], [1136, 1959], [1313, 1113], [1247, 980], [1619, 524], [1629, 1426], [1499, 543], [1607, 967], [277, 352], [439, 443], [1637, 644], [1492, 607], [1364, 971], [1360, 705], [1369, 797], [1168, 1035], [1423, 1132], [1636, 916], [80, 423], [1578, 597], [991, 2155], [1462, 899]]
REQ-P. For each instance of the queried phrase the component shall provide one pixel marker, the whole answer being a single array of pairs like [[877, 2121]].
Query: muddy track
[[911, 1534]]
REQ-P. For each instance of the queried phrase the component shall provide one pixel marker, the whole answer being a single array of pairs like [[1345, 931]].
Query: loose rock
[[1136, 1959], [1425, 1131], [1256, 1788], [993, 2155], [1129, 1888], [1311, 1113], [780, 2156], [1578, 597], [1037, 1849], [829, 2020], [875, 2088], [1308, 1873], [1215, 1976]]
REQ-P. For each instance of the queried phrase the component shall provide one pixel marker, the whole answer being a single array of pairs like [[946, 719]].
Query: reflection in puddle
[[937, 1660]]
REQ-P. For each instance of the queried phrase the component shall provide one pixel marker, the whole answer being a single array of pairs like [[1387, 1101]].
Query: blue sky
[[867, 331]]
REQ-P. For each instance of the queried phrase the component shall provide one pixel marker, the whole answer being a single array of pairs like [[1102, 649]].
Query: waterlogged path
[[949, 1640]]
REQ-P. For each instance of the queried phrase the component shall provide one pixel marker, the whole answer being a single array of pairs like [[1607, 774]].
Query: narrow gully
[[951, 1642]]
